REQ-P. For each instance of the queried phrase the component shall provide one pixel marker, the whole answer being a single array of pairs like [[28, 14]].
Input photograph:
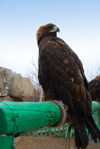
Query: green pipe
[[95, 106], [27, 116]]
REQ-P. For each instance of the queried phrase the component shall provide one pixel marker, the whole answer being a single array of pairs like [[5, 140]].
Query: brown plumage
[[94, 88], [62, 77]]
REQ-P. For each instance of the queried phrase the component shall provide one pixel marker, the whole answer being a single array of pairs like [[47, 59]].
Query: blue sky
[[78, 20]]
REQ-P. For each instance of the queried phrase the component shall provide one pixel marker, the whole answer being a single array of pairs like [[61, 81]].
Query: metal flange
[[63, 112]]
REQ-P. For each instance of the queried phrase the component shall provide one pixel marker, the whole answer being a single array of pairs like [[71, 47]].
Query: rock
[[1, 80], [5, 81], [21, 87], [14, 85]]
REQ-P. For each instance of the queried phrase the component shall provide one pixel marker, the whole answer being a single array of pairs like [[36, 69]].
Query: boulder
[[1, 80], [21, 87], [14, 85], [5, 81]]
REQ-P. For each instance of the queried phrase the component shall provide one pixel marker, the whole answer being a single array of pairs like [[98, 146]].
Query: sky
[[78, 20]]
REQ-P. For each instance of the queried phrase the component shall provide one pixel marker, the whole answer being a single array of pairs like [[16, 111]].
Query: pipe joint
[[63, 109]]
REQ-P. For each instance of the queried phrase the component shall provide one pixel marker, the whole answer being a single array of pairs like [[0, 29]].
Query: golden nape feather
[[42, 31]]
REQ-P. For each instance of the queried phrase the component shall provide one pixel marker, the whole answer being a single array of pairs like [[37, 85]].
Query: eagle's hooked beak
[[55, 29]]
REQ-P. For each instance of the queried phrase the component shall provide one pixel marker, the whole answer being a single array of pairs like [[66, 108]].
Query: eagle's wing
[[94, 88], [61, 72]]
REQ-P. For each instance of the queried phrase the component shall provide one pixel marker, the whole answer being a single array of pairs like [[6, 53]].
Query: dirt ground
[[28, 142]]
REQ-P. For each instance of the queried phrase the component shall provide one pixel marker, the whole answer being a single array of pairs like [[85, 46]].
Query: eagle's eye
[[47, 29]]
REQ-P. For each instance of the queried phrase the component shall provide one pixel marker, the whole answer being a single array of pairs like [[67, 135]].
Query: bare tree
[[91, 74], [32, 73]]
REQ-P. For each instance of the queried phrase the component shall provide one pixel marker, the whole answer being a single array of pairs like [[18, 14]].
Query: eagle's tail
[[81, 138], [92, 128]]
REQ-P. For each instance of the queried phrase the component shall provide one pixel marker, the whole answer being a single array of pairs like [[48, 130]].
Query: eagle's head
[[97, 77], [46, 30]]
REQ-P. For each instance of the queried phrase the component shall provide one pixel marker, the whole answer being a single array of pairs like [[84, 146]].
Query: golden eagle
[[94, 88], [61, 76]]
